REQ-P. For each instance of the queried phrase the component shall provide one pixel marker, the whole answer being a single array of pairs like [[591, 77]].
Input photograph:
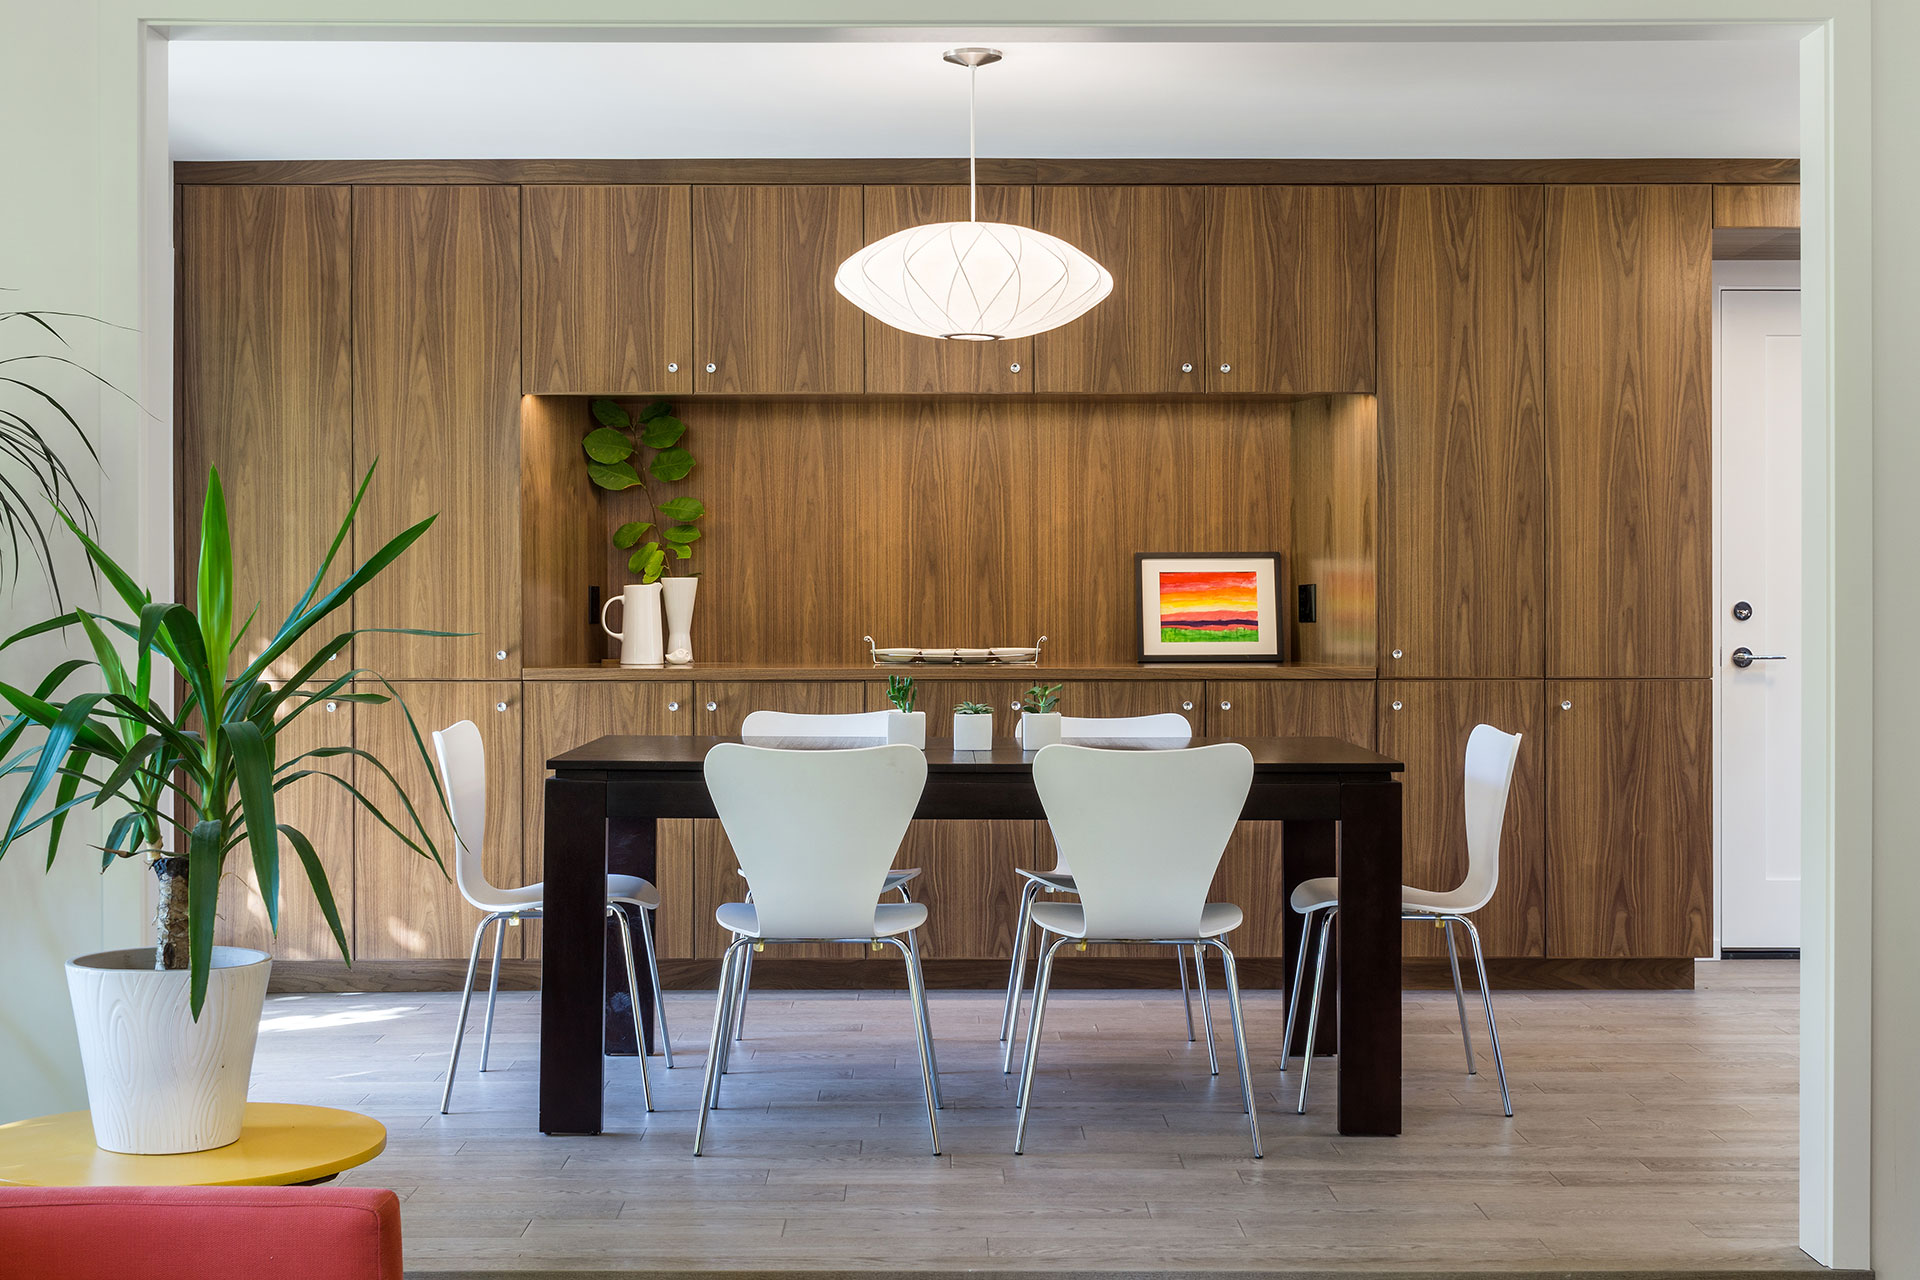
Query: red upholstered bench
[[199, 1233]]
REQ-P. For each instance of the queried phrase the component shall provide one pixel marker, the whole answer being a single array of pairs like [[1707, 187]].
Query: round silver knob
[[1566, 704], [1226, 368], [1014, 367], [333, 706], [1186, 706], [1014, 705], [713, 706], [1396, 704], [1225, 705], [673, 366], [1397, 653], [499, 706], [500, 655], [673, 706], [712, 367], [1186, 366]]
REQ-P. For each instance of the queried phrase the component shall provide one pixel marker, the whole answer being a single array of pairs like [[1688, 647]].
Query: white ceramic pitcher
[[639, 635]]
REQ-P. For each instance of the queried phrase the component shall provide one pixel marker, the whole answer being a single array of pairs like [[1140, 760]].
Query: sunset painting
[[1209, 607]]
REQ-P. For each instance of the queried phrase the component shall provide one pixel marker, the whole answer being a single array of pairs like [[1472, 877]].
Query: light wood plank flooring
[[1651, 1130]]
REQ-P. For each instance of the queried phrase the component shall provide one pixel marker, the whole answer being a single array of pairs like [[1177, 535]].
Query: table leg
[[1306, 853], [1368, 937], [630, 852], [573, 956]]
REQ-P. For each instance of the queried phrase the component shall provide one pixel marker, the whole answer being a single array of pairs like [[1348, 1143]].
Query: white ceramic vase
[[1037, 730], [972, 733], [909, 727], [677, 594], [158, 1082], [639, 633]]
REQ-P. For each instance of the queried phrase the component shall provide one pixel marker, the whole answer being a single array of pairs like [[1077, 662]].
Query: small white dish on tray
[[895, 655], [975, 655], [939, 655], [1015, 655]]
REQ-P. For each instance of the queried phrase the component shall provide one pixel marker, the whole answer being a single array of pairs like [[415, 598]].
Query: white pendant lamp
[[973, 281]]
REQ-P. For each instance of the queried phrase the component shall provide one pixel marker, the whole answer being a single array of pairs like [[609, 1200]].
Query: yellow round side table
[[280, 1143]]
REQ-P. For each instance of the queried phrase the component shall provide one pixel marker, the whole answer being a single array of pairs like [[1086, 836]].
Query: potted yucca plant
[[167, 1033]]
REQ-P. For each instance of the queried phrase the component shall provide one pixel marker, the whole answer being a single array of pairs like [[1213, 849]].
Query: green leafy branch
[[611, 450]]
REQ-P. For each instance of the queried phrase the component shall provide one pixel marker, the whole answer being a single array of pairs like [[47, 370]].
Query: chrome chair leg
[[929, 1073], [740, 1000], [1206, 1005], [1239, 1041], [1486, 998], [1041, 982], [1299, 983], [1186, 996], [466, 1003], [1459, 994], [1016, 975], [1313, 1010], [633, 1002], [659, 996], [493, 991], [722, 1025]]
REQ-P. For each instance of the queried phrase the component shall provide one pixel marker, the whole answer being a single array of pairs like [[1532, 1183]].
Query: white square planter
[[973, 733], [909, 727], [1037, 731]]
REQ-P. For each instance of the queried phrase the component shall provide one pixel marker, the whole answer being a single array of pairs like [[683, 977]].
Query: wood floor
[[1652, 1130]]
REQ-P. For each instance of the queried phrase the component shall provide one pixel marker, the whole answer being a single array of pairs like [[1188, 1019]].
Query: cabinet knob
[[333, 706], [712, 367], [1225, 705], [673, 366], [1014, 367], [1397, 653], [1226, 368], [1396, 704], [1014, 705], [673, 706], [500, 655], [1566, 704], [1186, 366], [499, 706], [1186, 706], [713, 706]]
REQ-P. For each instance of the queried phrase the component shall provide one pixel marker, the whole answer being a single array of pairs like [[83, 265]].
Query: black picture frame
[[1268, 562]]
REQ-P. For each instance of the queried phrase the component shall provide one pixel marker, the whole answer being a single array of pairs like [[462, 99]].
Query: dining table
[[1339, 804]]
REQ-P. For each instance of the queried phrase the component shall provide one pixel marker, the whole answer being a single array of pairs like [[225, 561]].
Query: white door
[[1758, 737]]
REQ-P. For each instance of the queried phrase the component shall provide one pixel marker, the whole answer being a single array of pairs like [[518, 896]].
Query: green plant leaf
[[685, 510], [681, 533], [663, 432], [607, 445], [671, 464], [658, 409], [629, 533], [203, 904], [613, 475], [683, 551], [253, 771], [317, 877], [608, 413], [216, 577], [648, 561]]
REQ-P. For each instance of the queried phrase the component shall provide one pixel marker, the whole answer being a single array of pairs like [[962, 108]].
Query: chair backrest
[[1144, 829], [1170, 725], [815, 831], [800, 724], [463, 774], [1491, 756]]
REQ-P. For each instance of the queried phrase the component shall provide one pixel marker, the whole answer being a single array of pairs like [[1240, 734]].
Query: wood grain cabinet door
[[906, 363], [1462, 463], [404, 907], [436, 333], [766, 316], [1149, 335], [1629, 316], [1629, 818], [266, 389], [607, 290], [1425, 725], [1289, 289], [561, 715]]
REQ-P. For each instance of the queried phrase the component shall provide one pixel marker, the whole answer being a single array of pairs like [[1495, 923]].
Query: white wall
[[70, 95]]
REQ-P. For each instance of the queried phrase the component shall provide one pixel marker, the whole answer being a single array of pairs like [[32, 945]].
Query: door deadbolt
[[1742, 611]]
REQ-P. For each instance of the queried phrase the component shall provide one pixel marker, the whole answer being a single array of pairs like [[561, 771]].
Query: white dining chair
[[1169, 726], [815, 832], [809, 724], [1145, 831], [463, 774], [1491, 755]]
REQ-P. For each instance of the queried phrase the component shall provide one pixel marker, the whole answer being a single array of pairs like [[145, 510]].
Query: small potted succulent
[[972, 727], [904, 724], [1039, 722]]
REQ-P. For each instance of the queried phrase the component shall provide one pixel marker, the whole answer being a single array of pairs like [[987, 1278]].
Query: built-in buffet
[[1467, 402]]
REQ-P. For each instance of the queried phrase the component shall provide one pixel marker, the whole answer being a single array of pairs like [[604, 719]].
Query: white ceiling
[[259, 100]]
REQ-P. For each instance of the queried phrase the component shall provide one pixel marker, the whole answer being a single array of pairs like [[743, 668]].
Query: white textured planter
[[1037, 731], [973, 733], [159, 1083], [909, 727]]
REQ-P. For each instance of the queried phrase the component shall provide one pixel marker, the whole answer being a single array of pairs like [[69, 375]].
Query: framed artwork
[[1209, 606]]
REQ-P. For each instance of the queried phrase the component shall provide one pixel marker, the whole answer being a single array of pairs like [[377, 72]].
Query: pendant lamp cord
[[973, 179]]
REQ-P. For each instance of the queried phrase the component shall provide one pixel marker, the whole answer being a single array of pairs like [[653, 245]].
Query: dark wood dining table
[[1340, 805]]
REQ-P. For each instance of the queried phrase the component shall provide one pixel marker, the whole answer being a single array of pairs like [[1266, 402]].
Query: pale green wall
[[70, 94]]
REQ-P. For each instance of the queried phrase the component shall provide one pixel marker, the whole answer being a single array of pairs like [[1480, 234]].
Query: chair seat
[[1070, 920], [1313, 895], [889, 918], [1057, 881], [528, 897]]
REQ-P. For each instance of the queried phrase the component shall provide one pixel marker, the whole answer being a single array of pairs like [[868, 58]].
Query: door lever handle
[[1744, 657]]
